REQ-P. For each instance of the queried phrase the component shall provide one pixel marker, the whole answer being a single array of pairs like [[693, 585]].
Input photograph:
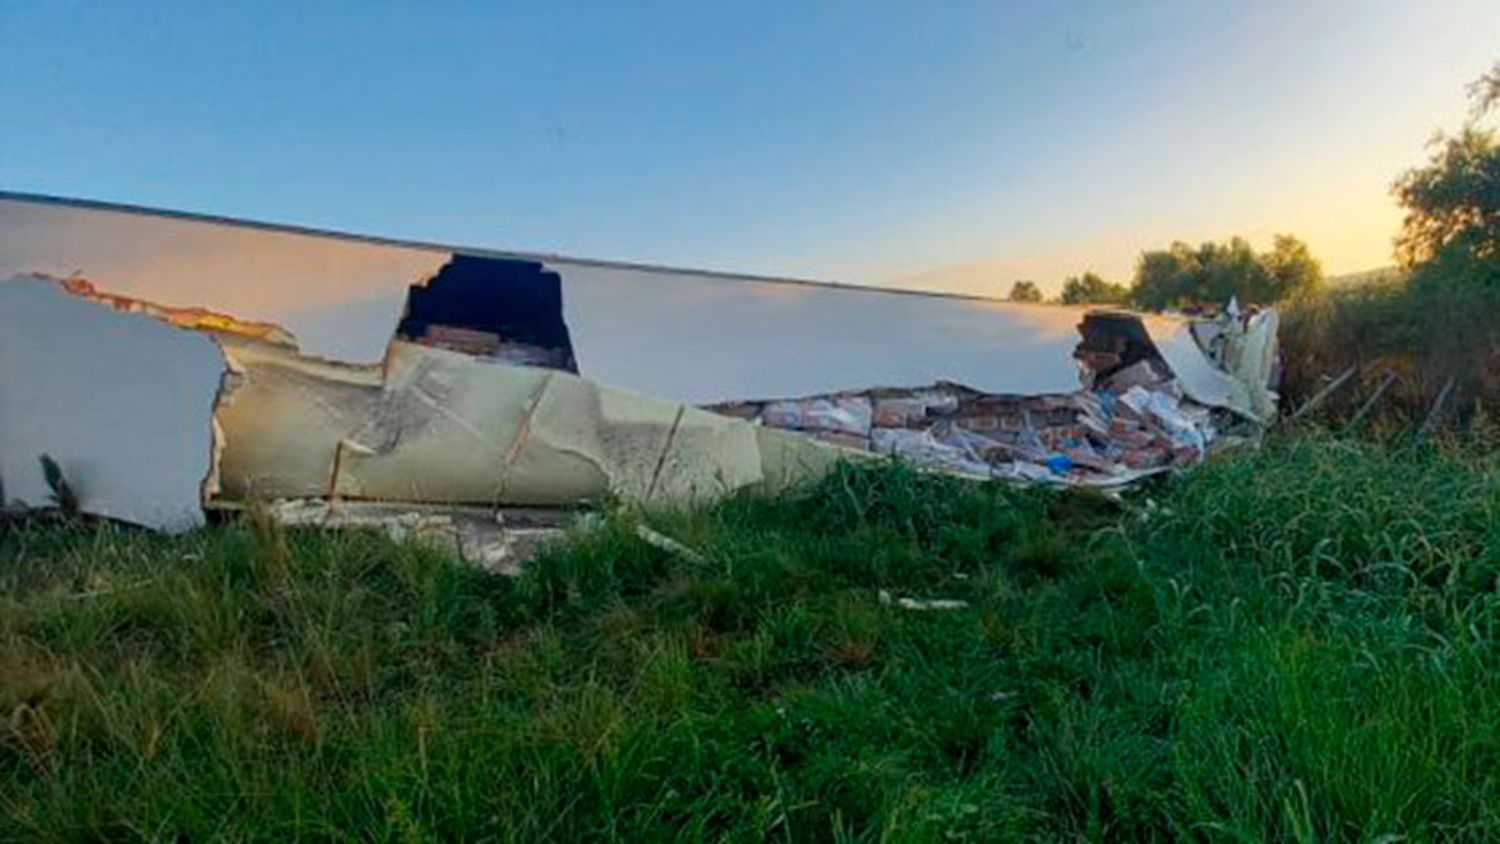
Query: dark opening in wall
[[1114, 340], [506, 309]]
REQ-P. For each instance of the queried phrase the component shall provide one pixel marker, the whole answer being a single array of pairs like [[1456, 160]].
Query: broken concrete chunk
[[442, 430], [1249, 354], [1206, 383], [123, 402], [839, 414], [789, 460], [899, 413], [478, 535]]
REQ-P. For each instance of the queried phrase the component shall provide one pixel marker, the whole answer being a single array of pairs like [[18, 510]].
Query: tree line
[[1184, 276]]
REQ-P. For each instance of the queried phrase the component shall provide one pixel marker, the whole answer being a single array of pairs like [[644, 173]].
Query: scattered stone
[[498, 541]]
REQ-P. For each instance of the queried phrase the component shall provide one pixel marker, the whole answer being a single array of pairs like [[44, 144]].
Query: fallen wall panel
[[122, 402], [456, 429], [438, 426]]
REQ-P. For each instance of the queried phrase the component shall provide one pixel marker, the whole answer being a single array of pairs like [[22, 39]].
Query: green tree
[[1090, 289], [1293, 269], [1163, 277], [1183, 276], [1025, 291], [1450, 242], [1452, 201]]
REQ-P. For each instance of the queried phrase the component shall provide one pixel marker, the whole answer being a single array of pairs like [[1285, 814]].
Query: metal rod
[[1322, 395], [1364, 409], [1437, 406]]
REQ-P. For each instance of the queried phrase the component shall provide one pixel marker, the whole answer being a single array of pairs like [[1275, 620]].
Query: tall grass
[[1293, 644]]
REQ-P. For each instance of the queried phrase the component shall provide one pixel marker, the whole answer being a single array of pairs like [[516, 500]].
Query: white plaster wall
[[341, 298], [702, 339]]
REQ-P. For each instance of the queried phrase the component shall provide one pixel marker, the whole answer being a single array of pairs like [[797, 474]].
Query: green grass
[[1294, 644]]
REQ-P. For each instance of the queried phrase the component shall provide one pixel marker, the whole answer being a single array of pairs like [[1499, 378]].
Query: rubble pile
[[1131, 418]]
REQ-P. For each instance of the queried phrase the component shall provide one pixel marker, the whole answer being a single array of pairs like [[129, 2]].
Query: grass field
[[1293, 644]]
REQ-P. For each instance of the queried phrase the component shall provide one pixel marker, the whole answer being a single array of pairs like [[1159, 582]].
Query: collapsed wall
[[1134, 416], [489, 389], [123, 392]]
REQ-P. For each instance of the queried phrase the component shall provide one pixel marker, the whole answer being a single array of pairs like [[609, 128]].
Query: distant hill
[[1383, 274]]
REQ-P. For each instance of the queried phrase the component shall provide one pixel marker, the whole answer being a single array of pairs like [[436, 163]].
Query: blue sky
[[927, 144]]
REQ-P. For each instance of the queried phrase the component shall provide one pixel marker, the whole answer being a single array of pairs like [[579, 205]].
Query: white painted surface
[[690, 336], [340, 298], [123, 402], [701, 339]]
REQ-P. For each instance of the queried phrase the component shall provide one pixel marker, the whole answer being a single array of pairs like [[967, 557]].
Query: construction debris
[[497, 541], [669, 545], [486, 398], [433, 425], [1133, 418], [437, 426]]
